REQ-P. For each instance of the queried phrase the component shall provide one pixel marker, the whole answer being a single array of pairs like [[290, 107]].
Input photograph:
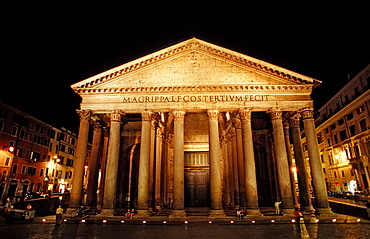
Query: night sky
[[48, 48]]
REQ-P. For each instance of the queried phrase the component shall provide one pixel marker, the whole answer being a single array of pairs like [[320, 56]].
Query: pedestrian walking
[[59, 214], [28, 209], [238, 214], [277, 207], [298, 215]]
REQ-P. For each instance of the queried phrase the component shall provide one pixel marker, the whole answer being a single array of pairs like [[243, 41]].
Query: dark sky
[[48, 48]]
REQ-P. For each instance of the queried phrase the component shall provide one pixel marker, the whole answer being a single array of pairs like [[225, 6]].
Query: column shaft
[[302, 174], [282, 162], [110, 187], [321, 196], [144, 164], [178, 165], [79, 164], [241, 164], [249, 163], [94, 166], [214, 161]]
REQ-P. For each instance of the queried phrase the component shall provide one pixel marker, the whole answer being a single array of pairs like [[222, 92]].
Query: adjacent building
[[34, 156], [343, 132]]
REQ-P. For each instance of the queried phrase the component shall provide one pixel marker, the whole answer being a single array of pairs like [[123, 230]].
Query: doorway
[[197, 179], [196, 187]]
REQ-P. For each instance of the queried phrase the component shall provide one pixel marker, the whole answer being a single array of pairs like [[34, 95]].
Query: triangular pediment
[[193, 63]]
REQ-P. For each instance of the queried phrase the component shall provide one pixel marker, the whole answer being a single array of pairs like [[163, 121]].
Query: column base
[[106, 213], [253, 213], [178, 213], [142, 213], [288, 212], [70, 212], [324, 212], [307, 210], [218, 213]]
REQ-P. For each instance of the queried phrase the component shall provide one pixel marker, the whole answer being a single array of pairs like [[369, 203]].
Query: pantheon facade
[[197, 125]]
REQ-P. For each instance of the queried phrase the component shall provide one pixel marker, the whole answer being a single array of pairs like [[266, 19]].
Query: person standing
[[277, 207], [59, 214]]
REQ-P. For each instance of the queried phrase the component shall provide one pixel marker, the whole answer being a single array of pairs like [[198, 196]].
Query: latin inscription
[[194, 98]]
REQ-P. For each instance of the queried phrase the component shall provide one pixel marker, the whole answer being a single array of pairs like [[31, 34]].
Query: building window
[[343, 175], [14, 130], [350, 116], [35, 156], [335, 175], [333, 126], [340, 122], [348, 153], [22, 133], [23, 171], [342, 135], [330, 159], [14, 169], [352, 130], [41, 172], [357, 151], [335, 138], [363, 125], [3, 175], [7, 161], [360, 110]]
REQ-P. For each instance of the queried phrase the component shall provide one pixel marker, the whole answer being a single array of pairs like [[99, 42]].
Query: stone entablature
[[303, 89]]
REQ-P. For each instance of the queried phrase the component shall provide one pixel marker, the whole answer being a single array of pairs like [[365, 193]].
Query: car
[[347, 194]]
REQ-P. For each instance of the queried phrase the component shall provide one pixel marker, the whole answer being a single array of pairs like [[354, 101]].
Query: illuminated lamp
[[186, 222], [144, 222], [210, 222], [122, 221], [43, 220], [83, 220], [104, 221], [334, 220], [293, 220], [272, 221], [253, 221]]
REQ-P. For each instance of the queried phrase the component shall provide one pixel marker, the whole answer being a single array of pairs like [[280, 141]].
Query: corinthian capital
[[116, 115], [245, 114], [275, 113], [85, 115], [178, 114], [146, 115], [212, 114], [307, 113], [295, 121]]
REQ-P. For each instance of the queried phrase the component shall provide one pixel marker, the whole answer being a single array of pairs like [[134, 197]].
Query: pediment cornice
[[190, 45], [201, 89]]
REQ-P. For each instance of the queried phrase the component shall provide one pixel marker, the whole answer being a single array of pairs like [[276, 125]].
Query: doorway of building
[[196, 179]]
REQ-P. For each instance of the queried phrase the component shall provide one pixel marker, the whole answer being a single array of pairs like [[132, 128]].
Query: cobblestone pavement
[[173, 230]]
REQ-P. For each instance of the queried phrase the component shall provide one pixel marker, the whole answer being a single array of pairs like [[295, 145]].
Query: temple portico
[[196, 125]]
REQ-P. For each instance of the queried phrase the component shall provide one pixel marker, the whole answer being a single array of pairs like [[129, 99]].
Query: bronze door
[[196, 187]]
